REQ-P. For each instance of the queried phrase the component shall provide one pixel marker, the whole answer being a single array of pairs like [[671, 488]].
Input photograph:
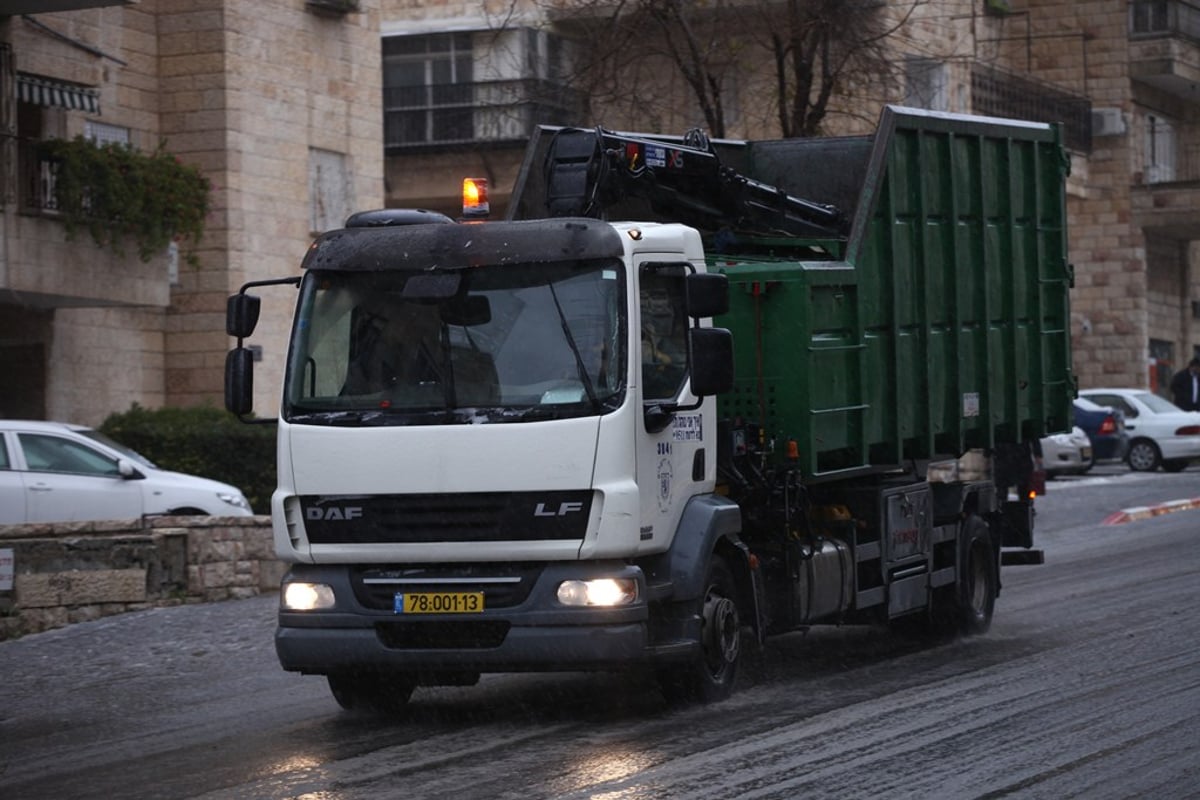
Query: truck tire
[[965, 608], [369, 691], [710, 676]]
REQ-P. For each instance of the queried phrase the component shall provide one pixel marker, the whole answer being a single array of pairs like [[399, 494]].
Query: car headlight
[[600, 592], [237, 500], [307, 596]]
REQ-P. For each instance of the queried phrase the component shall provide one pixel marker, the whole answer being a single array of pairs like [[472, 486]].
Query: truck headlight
[[600, 592], [307, 596]]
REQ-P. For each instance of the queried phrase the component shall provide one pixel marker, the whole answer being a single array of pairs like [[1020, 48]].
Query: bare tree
[[792, 56]]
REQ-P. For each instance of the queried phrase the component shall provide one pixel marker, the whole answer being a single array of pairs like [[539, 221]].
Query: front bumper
[[534, 632]]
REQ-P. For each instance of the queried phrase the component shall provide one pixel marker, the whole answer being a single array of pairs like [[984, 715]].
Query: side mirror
[[707, 294], [241, 314], [239, 381], [127, 470], [712, 361]]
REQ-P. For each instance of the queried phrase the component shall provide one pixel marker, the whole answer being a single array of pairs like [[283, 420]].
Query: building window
[[428, 88], [1148, 16], [329, 192], [1160, 150], [102, 133], [488, 86], [926, 84]]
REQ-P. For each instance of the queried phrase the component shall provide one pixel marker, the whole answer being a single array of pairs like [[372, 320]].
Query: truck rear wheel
[[966, 608], [711, 674], [370, 691]]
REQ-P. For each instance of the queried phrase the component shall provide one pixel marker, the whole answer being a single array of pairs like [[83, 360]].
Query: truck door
[[670, 458]]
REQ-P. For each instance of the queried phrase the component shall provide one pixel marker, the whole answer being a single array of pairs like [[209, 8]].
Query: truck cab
[[489, 425]]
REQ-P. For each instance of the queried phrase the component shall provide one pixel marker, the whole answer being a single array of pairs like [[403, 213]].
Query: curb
[[1146, 512]]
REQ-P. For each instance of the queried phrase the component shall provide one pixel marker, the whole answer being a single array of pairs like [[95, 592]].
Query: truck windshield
[[482, 345]]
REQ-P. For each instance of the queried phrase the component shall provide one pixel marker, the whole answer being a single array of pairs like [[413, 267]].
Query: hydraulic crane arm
[[588, 171]]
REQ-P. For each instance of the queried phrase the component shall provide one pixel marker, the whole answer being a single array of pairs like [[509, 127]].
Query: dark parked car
[[1105, 428]]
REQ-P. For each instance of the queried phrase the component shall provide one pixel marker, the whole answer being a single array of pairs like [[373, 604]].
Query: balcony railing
[[997, 93], [1150, 19], [486, 111], [37, 175]]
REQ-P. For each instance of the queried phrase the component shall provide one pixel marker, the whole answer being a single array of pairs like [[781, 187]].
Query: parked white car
[[57, 472], [1067, 453], [1160, 434]]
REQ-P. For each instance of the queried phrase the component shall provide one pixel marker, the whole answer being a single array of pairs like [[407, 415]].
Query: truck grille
[[432, 635], [477, 517]]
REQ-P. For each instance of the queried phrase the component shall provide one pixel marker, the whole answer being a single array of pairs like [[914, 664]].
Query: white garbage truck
[[687, 396]]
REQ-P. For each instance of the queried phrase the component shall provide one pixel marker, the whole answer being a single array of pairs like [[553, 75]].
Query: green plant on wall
[[117, 193]]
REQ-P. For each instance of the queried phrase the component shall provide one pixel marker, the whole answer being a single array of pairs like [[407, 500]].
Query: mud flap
[[1016, 523]]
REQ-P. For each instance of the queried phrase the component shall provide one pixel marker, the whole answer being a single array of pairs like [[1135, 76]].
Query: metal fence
[[998, 93], [489, 111], [37, 176]]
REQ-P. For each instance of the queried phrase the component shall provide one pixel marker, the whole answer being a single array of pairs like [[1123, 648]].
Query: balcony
[[15, 7], [997, 93], [49, 269], [1166, 190], [451, 115], [1164, 46]]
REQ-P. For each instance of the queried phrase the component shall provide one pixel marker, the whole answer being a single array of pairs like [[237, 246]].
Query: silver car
[[1067, 453], [56, 472]]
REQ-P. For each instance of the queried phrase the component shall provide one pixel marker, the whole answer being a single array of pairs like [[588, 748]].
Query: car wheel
[[1175, 464], [710, 675], [1143, 456]]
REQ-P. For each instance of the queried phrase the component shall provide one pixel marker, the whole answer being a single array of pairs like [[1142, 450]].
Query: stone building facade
[[278, 103], [275, 101], [1121, 75]]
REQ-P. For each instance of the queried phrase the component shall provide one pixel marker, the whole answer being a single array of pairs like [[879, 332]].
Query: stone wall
[[73, 572]]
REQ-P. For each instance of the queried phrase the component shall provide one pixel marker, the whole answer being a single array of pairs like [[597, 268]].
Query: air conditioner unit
[[1108, 122]]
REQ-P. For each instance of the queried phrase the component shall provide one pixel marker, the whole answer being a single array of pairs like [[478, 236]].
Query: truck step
[[1017, 557]]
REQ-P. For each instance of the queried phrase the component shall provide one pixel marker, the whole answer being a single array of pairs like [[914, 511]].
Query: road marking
[[1146, 512]]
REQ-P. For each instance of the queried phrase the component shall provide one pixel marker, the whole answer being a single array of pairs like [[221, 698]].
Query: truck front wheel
[[369, 691], [710, 675]]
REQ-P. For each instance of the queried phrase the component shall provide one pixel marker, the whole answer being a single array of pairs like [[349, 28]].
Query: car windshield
[[111, 444], [490, 344]]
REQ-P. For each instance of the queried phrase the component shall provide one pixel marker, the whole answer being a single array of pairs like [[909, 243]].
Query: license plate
[[1086, 452], [439, 603]]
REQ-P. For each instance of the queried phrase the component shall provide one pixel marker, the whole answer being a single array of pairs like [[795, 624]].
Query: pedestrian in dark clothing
[[1185, 386]]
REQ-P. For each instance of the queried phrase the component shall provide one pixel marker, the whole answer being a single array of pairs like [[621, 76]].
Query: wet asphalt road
[[1087, 686]]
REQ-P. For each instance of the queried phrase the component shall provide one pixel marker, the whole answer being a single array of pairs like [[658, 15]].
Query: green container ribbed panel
[[946, 326]]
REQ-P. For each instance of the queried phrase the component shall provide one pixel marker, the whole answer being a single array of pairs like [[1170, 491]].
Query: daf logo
[[333, 513], [563, 509]]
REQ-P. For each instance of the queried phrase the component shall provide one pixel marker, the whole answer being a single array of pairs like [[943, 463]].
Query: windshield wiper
[[584, 377]]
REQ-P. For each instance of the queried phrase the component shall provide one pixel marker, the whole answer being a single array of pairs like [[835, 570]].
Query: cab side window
[[55, 454], [5, 463], [664, 333]]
